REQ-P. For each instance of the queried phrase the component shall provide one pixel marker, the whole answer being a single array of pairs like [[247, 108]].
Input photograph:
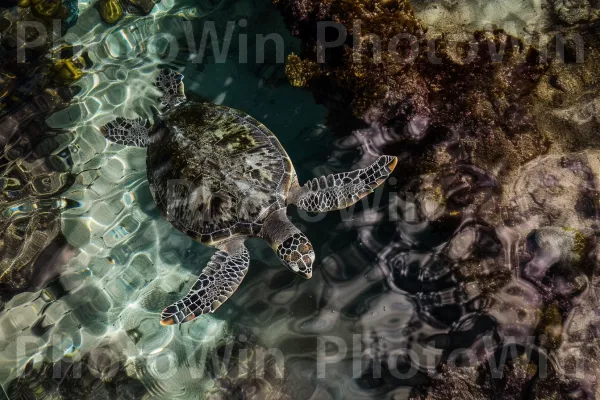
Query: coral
[[48, 8], [65, 72], [253, 375], [145, 6], [357, 67], [577, 11], [385, 18], [101, 373], [567, 95], [551, 327], [66, 10], [34, 164], [111, 11], [465, 16], [36, 70], [519, 378], [439, 83], [31, 179], [555, 190], [300, 72], [72, 7]]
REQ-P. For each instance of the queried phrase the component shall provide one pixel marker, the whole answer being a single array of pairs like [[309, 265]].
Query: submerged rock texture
[[35, 164], [472, 100], [495, 123]]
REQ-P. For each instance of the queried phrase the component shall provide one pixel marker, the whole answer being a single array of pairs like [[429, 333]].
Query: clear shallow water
[[393, 283], [129, 262]]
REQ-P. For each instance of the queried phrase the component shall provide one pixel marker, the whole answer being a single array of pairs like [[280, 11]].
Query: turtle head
[[297, 254]]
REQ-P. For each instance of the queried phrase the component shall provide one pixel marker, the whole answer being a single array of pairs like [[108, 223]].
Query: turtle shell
[[216, 172]]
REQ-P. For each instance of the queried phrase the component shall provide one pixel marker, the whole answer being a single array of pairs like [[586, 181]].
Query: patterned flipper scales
[[171, 84], [129, 132], [136, 132], [337, 191], [218, 281]]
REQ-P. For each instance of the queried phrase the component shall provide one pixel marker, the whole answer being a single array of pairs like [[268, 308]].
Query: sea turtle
[[221, 177]]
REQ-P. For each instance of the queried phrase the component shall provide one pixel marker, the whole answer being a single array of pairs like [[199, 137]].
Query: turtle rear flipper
[[337, 191], [218, 281], [129, 132], [171, 84]]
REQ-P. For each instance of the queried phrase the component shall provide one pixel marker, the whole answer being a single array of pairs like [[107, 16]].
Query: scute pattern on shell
[[216, 172]]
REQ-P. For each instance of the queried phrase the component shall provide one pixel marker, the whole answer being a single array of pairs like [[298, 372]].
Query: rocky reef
[[35, 166], [496, 129], [112, 11]]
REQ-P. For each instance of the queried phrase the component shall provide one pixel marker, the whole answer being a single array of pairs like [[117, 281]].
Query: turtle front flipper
[[337, 191], [218, 281], [129, 132]]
